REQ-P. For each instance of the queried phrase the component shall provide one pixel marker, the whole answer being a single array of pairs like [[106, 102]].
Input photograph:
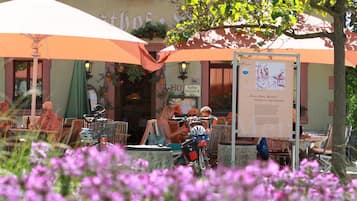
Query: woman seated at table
[[48, 120], [164, 127]]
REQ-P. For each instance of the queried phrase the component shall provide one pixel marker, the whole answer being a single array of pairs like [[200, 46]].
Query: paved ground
[[352, 169]]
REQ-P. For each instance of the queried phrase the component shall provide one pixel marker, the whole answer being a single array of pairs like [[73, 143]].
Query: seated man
[[206, 111], [48, 120]]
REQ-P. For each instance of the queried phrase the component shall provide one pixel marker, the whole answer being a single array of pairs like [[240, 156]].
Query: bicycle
[[194, 148], [95, 134]]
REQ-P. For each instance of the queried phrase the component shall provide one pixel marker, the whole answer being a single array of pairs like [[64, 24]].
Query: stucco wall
[[61, 75], [175, 85], [2, 78], [319, 96], [128, 15]]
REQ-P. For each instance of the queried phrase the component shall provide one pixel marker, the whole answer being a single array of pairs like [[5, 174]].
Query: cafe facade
[[206, 82]]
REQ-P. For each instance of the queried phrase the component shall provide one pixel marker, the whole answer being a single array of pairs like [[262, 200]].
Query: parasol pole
[[36, 54]]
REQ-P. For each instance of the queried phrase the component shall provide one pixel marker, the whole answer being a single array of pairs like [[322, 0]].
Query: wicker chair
[[121, 133]]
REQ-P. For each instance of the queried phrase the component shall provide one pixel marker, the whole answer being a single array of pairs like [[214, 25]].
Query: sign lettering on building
[[193, 90], [124, 21], [175, 88]]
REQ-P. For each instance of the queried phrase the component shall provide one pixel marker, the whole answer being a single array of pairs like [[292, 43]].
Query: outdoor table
[[159, 157], [315, 132], [308, 141], [32, 134], [305, 142]]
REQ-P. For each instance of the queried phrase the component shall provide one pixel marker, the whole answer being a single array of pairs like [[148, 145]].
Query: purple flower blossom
[[39, 152], [40, 179], [9, 188], [140, 164], [110, 175]]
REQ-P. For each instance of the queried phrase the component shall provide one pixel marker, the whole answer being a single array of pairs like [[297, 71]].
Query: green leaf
[[222, 9]]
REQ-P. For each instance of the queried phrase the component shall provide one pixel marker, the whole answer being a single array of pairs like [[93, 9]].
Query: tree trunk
[[339, 121]]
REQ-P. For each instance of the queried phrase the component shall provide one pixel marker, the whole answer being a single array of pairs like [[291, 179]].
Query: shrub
[[87, 174]]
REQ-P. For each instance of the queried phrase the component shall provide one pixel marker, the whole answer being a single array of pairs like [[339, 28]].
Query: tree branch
[[327, 7], [308, 35], [352, 9], [241, 26], [327, 4], [290, 33]]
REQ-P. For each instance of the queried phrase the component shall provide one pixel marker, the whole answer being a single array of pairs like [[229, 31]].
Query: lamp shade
[[88, 66], [183, 67]]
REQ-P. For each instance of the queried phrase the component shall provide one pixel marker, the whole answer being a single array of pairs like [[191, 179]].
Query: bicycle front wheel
[[202, 162], [103, 146]]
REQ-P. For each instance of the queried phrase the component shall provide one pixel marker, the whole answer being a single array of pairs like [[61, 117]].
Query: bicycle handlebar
[[95, 115], [99, 109], [191, 118]]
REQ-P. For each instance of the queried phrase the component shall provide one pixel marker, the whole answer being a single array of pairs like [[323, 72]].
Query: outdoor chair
[[68, 121], [348, 135], [72, 139], [109, 130], [324, 154], [57, 136], [350, 145], [151, 134], [221, 120], [121, 132], [214, 140]]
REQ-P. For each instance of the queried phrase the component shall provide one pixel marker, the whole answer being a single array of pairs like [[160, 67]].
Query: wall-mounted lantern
[[88, 67]]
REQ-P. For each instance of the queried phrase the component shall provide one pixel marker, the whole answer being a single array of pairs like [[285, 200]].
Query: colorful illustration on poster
[[270, 76]]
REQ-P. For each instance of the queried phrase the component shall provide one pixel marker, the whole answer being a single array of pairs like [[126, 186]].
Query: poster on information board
[[265, 99]]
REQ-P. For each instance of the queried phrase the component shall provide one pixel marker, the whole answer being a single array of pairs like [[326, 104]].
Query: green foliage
[[22, 65], [277, 16], [15, 153], [134, 72], [351, 93], [151, 30], [65, 185], [273, 16], [221, 102], [17, 161]]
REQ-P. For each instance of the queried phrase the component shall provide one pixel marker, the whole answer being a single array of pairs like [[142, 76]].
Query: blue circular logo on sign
[[245, 71]]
